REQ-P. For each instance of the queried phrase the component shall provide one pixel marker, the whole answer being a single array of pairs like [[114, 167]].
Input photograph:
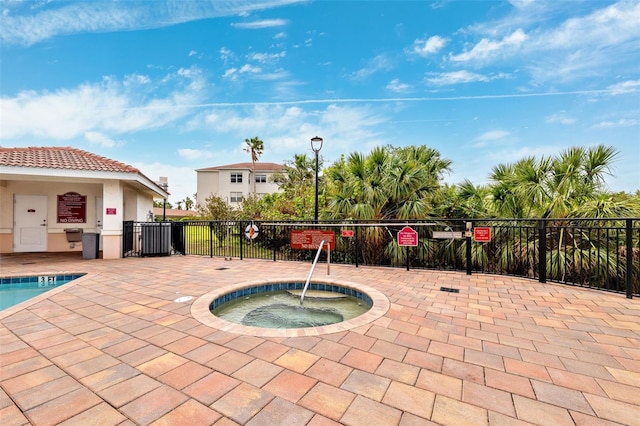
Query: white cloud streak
[[487, 49], [623, 122], [92, 109], [18, 25], [256, 25], [376, 64], [458, 77], [630, 86], [99, 139], [194, 154], [560, 118]]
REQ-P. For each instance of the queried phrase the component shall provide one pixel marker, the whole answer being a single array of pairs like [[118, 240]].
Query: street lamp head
[[316, 144]]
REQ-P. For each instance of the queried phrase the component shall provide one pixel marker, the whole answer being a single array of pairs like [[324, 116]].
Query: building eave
[[72, 175]]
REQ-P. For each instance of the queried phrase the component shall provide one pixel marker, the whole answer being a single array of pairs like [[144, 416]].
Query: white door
[[30, 223], [99, 211]]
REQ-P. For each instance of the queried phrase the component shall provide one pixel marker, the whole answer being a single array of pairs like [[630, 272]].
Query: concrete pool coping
[[200, 310]]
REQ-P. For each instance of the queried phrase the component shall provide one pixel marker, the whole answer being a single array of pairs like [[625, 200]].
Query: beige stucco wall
[[207, 184], [56, 236], [129, 204], [266, 187], [226, 187], [219, 183], [6, 218]]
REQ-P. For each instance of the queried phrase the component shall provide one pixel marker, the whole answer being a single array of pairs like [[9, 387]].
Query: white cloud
[[104, 16], [283, 129], [487, 49], [493, 137], [521, 3], [265, 23], [614, 24], [247, 68], [230, 73], [266, 57], [109, 106], [505, 156], [560, 118], [226, 54], [375, 64], [579, 47], [630, 86], [396, 86], [136, 79], [623, 122], [97, 138], [182, 180], [194, 154], [430, 46], [457, 77]]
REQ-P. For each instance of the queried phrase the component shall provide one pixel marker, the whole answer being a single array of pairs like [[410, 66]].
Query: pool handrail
[[313, 267]]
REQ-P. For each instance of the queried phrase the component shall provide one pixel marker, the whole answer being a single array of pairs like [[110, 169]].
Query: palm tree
[[254, 146], [296, 180], [570, 185], [389, 183]]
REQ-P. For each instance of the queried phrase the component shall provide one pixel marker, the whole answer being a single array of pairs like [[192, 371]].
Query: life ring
[[251, 231]]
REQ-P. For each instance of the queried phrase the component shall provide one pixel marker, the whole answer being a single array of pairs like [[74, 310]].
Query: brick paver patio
[[115, 348]]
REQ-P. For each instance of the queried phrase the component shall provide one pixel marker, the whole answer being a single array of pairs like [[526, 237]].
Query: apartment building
[[234, 182]]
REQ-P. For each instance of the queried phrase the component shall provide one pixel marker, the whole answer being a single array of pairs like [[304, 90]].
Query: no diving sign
[[407, 237]]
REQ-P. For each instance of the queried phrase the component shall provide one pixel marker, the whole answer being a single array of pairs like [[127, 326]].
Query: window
[[236, 197], [236, 177], [261, 178]]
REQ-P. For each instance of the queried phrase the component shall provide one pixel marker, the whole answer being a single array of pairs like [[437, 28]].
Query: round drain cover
[[183, 299]]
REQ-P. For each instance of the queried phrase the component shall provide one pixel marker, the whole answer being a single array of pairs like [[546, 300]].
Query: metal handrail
[[313, 267]]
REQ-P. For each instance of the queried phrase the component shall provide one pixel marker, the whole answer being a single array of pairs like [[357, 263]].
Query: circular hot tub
[[272, 308]]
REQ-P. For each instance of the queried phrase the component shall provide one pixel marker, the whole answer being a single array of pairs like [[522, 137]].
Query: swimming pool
[[14, 290]]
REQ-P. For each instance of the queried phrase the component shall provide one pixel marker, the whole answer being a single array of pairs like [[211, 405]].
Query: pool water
[[282, 309], [14, 290]]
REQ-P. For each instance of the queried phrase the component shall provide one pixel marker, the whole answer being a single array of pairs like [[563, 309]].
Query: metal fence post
[[542, 251], [468, 256], [357, 247], [629, 244], [210, 239], [240, 237], [273, 239]]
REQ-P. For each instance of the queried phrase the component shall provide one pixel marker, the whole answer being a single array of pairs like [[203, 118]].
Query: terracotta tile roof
[[61, 158], [259, 167]]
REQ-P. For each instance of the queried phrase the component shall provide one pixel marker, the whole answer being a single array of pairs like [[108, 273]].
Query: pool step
[[318, 294]]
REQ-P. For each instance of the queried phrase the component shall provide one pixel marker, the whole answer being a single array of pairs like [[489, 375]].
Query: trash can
[[90, 243]]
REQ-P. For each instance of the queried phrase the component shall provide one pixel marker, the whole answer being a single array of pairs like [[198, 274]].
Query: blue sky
[[173, 86]]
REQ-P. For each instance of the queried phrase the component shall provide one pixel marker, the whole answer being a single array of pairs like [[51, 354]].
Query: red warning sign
[[311, 238], [407, 237], [482, 234]]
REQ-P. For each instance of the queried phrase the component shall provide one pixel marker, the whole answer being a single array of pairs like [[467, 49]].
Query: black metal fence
[[596, 253]]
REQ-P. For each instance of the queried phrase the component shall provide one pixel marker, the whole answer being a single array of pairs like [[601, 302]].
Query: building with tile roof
[[59, 191], [234, 182]]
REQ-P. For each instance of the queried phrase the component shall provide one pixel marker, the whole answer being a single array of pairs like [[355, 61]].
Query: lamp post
[[316, 146], [165, 186]]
